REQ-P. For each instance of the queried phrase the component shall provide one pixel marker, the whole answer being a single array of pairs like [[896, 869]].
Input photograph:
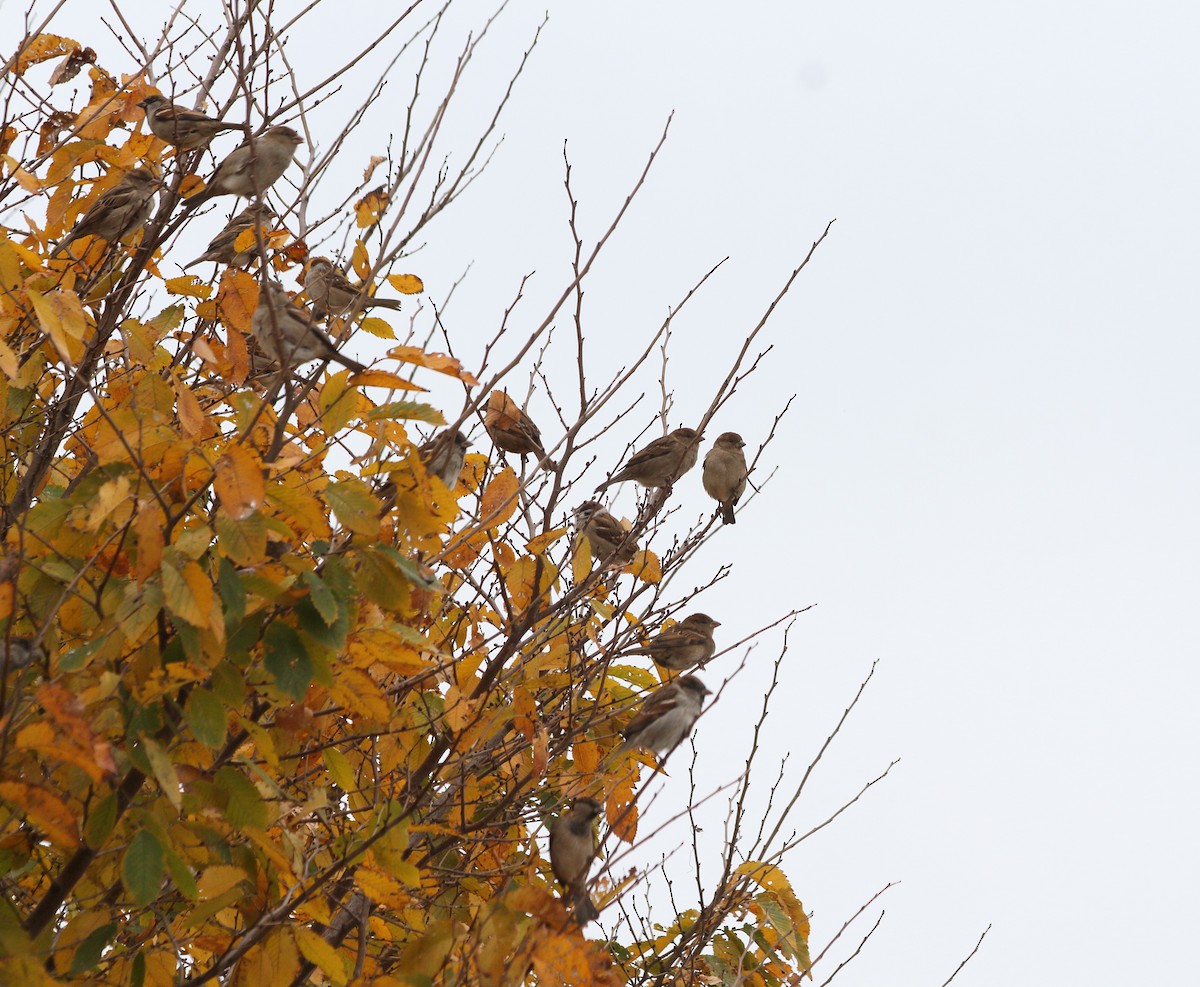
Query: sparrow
[[666, 717], [286, 332], [444, 455], [660, 463], [252, 167], [17, 652], [182, 128], [221, 247], [512, 430], [573, 846], [117, 212], [687, 644], [725, 473], [610, 541], [333, 293]]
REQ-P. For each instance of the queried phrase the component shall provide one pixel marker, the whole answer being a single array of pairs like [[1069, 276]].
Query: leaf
[[44, 811], [440, 362], [499, 499], [377, 327], [192, 419], [42, 48], [205, 716], [287, 661], [384, 378], [319, 952], [370, 207], [188, 285], [355, 506], [163, 771], [406, 284], [646, 567], [621, 811], [237, 297], [218, 879], [561, 961], [272, 963], [245, 806], [539, 544], [91, 949], [61, 317], [239, 481], [142, 868], [187, 592]]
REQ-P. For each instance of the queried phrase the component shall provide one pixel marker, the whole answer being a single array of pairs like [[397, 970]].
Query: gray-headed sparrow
[[444, 455], [611, 542], [660, 463], [666, 717], [117, 212], [183, 128], [725, 473], [286, 332], [253, 167], [332, 292], [573, 845], [221, 247], [687, 644]]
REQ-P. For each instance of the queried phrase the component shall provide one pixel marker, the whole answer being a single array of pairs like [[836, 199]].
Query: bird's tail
[[727, 512]]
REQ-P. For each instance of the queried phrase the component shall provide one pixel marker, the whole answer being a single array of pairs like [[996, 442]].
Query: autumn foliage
[[278, 705]]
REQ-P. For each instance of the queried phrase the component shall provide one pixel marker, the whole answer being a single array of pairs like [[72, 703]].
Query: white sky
[[988, 480]]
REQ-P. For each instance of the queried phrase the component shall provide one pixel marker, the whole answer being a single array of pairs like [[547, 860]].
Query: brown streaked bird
[[118, 211], [725, 473], [286, 332], [252, 167], [222, 249], [573, 846], [332, 292], [660, 463], [512, 430], [444, 456], [611, 542], [183, 128], [686, 645], [666, 717]]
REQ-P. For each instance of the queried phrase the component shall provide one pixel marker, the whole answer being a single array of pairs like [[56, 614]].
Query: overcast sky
[[988, 479]]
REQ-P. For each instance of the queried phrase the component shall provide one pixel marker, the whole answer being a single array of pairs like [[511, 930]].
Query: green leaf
[[76, 658], [407, 411], [205, 715], [164, 771], [100, 821], [287, 661], [322, 597], [245, 806], [355, 506], [411, 570], [229, 684], [182, 875], [244, 541], [142, 868], [92, 949]]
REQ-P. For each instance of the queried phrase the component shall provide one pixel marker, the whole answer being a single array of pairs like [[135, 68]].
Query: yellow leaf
[[187, 592], [216, 880], [192, 419], [561, 961], [543, 542], [370, 207], [440, 362], [586, 756], [380, 888], [188, 285], [646, 567], [377, 327], [384, 378], [360, 261], [272, 963], [499, 499], [60, 316], [42, 48], [239, 482], [319, 952], [406, 284], [621, 811], [148, 527]]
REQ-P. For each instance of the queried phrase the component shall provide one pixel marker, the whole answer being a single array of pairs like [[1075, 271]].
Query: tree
[[287, 697]]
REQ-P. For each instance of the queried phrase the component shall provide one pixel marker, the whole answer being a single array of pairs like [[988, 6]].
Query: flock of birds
[[288, 333]]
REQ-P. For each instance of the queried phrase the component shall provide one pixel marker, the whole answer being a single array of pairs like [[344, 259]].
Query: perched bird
[[610, 541], [660, 463], [666, 717], [512, 430], [286, 332], [221, 248], [444, 455], [183, 128], [117, 212], [252, 167], [725, 473], [573, 846], [17, 652], [332, 292], [687, 644]]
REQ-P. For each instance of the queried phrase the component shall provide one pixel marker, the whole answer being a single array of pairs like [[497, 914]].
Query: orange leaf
[[43, 48], [646, 567], [406, 284], [44, 811], [561, 961], [384, 378], [239, 482], [149, 530], [370, 207], [434, 361], [621, 811], [188, 285], [237, 297], [586, 756], [192, 419], [499, 499]]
